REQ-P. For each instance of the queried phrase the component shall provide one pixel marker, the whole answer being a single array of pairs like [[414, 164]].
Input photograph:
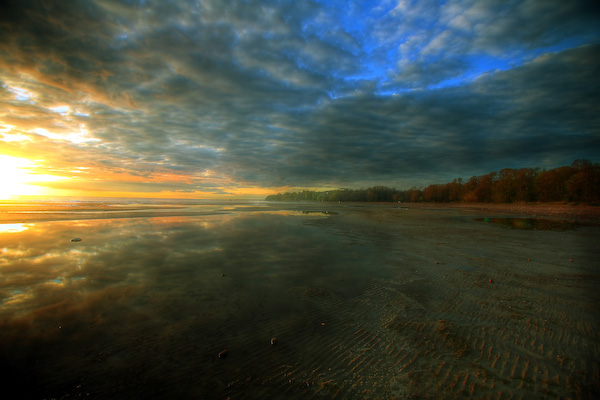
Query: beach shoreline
[[40, 212]]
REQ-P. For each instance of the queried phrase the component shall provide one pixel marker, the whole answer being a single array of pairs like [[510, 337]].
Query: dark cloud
[[542, 113], [271, 93]]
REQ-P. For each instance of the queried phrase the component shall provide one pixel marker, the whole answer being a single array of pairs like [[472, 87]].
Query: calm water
[[365, 302], [532, 223]]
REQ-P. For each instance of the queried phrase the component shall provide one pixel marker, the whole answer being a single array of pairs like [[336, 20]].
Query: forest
[[579, 183]]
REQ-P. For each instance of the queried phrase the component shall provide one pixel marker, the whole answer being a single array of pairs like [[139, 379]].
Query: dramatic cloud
[[215, 97]]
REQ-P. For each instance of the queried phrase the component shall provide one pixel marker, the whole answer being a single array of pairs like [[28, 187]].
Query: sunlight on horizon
[[18, 180]]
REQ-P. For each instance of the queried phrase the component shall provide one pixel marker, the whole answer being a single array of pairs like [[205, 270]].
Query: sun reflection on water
[[8, 228]]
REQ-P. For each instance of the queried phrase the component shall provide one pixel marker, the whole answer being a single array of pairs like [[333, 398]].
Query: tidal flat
[[369, 301]]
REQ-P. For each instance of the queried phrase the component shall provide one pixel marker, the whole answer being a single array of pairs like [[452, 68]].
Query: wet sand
[[13, 212], [488, 311], [579, 212], [385, 301]]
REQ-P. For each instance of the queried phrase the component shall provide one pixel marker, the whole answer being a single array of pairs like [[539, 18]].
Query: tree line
[[579, 182]]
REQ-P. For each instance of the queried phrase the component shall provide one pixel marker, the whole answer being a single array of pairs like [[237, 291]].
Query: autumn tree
[[584, 184], [455, 190], [483, 191], [551, 185], [579, 182]]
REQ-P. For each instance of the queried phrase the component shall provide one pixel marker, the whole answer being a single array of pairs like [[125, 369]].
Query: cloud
[[520, 116], [273, 93], [456, 33]]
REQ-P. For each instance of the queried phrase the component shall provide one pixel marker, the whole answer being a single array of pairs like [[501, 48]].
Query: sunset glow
[[203, 99], [19, 178]]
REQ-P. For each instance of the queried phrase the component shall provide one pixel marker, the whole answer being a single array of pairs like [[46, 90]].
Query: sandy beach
[[372, 301]]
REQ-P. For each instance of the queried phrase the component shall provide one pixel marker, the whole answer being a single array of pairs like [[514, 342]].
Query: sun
[[14, 177]]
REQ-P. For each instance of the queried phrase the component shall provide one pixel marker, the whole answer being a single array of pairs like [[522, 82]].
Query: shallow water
[[373, 302], [531, 223]]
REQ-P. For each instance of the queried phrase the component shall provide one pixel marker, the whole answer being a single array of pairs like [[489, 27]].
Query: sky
[[222, 98]]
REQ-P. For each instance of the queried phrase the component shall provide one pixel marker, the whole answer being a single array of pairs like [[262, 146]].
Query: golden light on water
[[7, 228]]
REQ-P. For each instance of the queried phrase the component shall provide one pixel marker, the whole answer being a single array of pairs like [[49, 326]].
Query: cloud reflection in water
[[143, 290]]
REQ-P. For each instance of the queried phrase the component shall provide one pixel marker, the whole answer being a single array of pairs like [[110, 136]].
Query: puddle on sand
[[532, 223], [319, 212]]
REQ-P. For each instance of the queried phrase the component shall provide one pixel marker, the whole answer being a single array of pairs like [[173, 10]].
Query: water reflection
[[167, 290], [12, 227], [532, 223], [358, 302]]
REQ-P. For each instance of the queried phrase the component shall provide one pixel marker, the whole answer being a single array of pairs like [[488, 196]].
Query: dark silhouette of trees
[[584, 184], [579, 182], [551, 185], [513, 185], [455, 190], [479, 189]]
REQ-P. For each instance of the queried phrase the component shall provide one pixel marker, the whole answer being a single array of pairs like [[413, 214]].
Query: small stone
[[223, 353], [273, 341], [76, 240]]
